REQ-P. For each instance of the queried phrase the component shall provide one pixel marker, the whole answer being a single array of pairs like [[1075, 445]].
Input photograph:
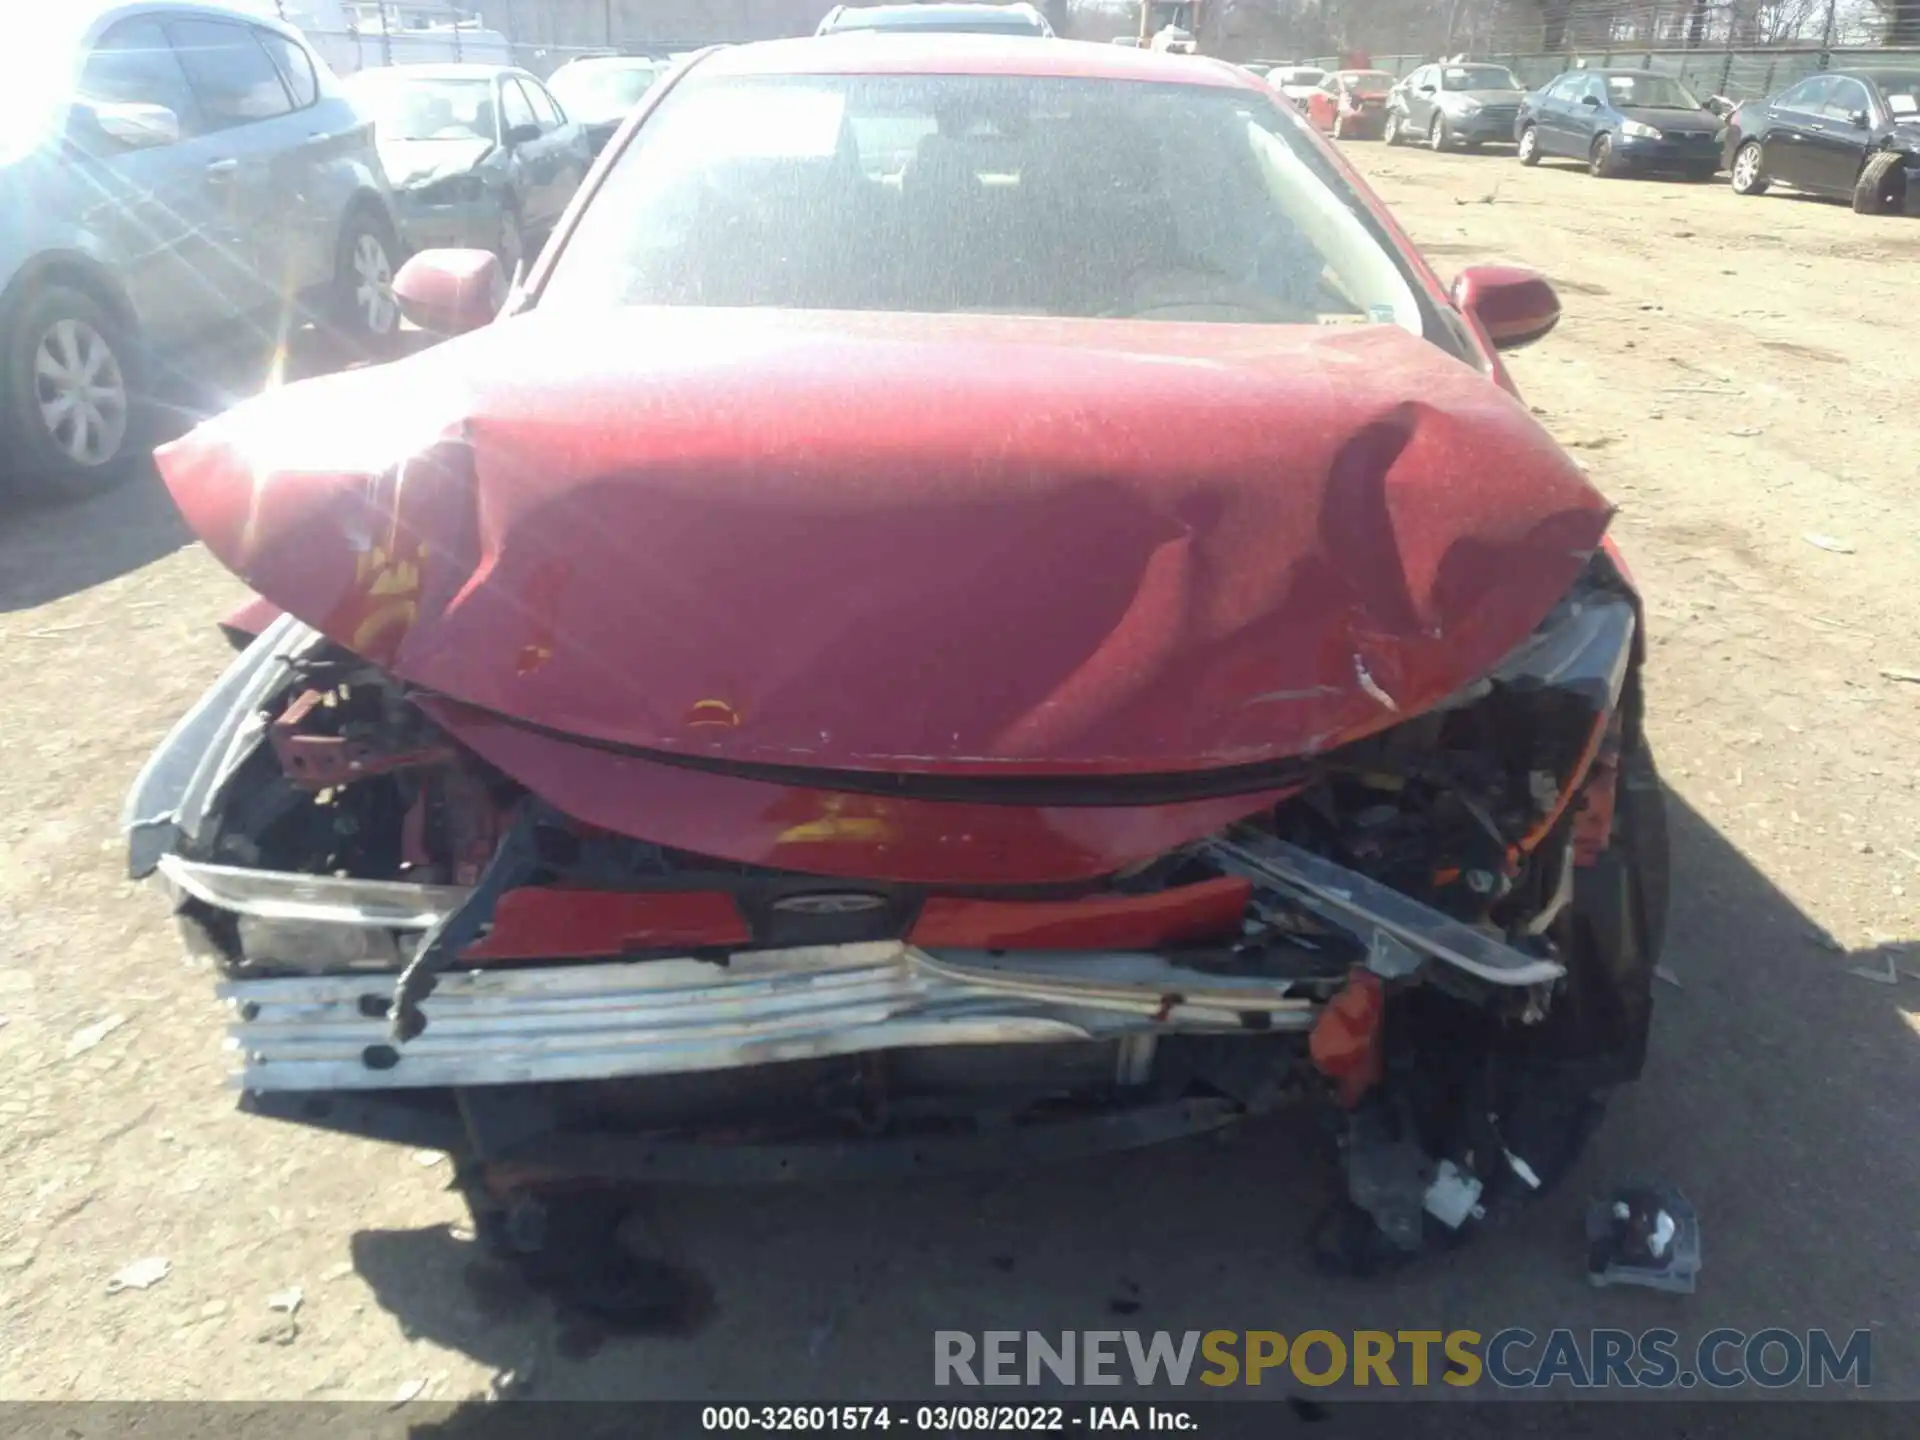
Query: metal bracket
[[1366, 908]]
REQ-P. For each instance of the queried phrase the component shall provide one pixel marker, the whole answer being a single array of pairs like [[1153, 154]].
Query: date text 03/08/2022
[[946, 1419]]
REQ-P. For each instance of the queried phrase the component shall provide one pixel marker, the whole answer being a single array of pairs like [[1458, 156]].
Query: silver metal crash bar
[[676, 1016]]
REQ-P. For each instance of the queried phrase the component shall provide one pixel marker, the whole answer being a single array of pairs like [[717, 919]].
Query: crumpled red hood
[[908, 543]]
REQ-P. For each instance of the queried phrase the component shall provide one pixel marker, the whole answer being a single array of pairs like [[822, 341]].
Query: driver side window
[[515, 108], [1845, 100], [1807, 96], [133, 64]]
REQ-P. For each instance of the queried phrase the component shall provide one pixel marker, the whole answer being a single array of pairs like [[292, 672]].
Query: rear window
[[1477, 77], [955, 193]]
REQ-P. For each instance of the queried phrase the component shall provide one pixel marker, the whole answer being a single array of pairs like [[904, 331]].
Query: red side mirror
[[1514, 306], [450, 292]]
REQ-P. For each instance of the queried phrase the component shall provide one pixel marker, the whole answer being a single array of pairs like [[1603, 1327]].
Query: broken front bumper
[[686, 1015]]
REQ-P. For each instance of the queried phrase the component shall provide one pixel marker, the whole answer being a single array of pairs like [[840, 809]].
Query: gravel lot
[[1738, 374]]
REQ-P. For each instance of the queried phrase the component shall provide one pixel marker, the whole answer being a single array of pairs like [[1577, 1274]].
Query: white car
[[1296, 82]]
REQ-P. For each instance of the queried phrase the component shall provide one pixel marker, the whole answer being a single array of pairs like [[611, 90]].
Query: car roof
[[470, 70], [1882, 74], [612, 62], [937, 10], [897, 53], [69, 21]]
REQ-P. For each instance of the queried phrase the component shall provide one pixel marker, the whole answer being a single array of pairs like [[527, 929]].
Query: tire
[[1881, 189], [1602, 161], [70, 413], [1529, 145], [1748, 173], [1390, 135], [1439, 134], [510, 247], [361, 311]]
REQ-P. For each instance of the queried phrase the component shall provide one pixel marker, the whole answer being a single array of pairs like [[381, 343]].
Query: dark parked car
[[167, 169], [1620, 122], [1454, 104], [1239, 699], [1848, 133], [602, 91], [478, 155], [951, 19]]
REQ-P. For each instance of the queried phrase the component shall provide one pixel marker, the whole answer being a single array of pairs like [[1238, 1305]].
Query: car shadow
[[1778, 1097]]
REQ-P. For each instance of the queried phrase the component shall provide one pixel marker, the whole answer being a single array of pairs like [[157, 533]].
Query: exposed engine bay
[[1446, 931]]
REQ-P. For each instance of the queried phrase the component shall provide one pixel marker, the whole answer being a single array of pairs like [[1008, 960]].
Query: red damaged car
[[979, 603], [1351, 104]]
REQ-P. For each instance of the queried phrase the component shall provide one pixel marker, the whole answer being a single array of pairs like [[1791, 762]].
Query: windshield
[[995, 194], [1649, 92], [1301, 77], [1477, 77], [1903, 95], [601, 92], [429, 109], [1366, 81]]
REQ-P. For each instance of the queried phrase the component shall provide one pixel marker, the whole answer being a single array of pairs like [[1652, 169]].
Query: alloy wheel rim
[[81, 392], [1527, 141], [1745, 165], [373, 285], [1435, 131]]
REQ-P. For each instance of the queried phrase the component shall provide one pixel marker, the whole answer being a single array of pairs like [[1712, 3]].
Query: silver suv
[[167, 168]]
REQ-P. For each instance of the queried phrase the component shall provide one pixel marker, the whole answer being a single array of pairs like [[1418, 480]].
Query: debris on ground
[[85, 1038], [406, 1390], [1883, 973], [1646, 1236], [1662, 972], [425, 1158], [1895, 672], [513, 1383], [337, 1271], [287, 1301], [141, 1275], [1821, 937], [1747, 432], [1827, 542]]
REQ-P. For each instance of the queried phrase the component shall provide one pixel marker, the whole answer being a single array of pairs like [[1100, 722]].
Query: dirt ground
[[1738, 374]]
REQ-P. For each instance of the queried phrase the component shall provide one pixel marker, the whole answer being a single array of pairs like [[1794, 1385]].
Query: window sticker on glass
[[1904, 104], [776, 122]]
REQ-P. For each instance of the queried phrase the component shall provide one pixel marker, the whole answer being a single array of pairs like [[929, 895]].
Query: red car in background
[[979, 603], [1351, 104]]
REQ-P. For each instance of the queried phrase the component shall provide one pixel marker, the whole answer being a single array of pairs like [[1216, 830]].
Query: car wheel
[[1749, 173], [1391, 134], [364, 312], [1881, 189], [1339, 127], [1439, 135], [68, 369], [1530, 146], [1601, 159], [511, 245]]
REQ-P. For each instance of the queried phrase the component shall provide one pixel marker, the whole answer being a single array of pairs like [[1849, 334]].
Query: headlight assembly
[[1638, 131]]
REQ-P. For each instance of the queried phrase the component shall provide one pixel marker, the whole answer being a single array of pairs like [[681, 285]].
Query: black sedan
[[1848, 133], [1619, 122]]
